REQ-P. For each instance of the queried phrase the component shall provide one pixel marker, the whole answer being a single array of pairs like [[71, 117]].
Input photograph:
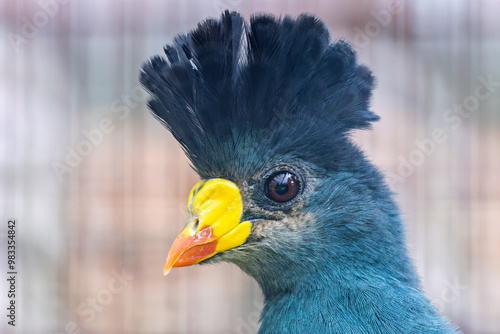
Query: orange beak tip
[[215, 208], [169, 264]]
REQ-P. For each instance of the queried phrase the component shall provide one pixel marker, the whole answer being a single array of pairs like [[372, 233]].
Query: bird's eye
[[282, 186]]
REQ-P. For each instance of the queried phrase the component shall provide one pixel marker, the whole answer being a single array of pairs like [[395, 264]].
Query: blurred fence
[[98, 187]]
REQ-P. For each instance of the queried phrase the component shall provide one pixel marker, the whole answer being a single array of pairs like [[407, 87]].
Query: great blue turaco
[[264, 111]]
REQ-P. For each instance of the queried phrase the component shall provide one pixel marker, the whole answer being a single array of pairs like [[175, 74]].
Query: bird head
[[264, 111]]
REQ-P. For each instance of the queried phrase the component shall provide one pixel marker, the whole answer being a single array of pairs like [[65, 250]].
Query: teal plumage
[[251, 101]]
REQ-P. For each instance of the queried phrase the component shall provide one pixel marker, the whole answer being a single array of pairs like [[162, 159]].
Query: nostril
[[196, 224]]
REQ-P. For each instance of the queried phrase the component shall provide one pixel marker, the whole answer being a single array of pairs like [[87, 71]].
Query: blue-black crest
[[229, 91]]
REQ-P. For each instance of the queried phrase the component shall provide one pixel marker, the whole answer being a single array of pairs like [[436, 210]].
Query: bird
[[265, 110]]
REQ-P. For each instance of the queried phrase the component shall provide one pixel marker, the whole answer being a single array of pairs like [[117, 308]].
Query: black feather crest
[[276, 86]]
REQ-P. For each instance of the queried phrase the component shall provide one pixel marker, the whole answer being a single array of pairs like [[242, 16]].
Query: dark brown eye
[[282, 186]]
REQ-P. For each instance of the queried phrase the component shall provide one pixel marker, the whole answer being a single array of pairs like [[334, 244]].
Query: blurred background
[[98, 187]]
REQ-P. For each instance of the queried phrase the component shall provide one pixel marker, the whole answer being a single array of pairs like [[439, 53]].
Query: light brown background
[[124, 203]]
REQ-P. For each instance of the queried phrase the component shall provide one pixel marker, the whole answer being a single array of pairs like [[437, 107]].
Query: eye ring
[[282, 186]]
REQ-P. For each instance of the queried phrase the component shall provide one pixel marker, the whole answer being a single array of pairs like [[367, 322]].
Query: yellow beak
[[215, 209]]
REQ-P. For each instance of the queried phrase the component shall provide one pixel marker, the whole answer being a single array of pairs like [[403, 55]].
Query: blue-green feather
[[242, 98]]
